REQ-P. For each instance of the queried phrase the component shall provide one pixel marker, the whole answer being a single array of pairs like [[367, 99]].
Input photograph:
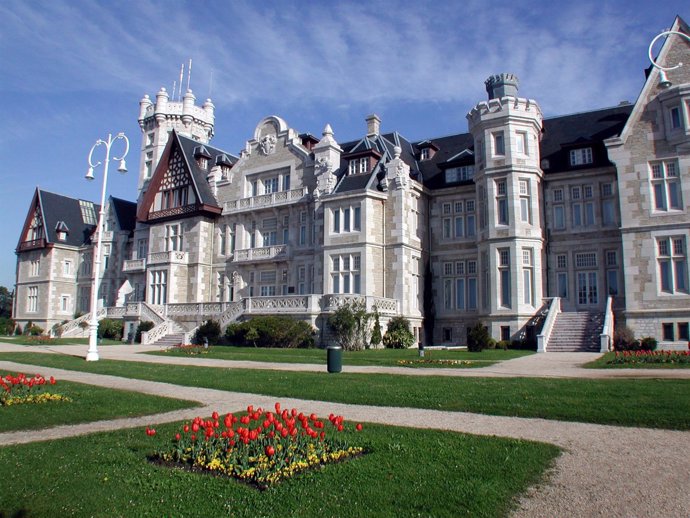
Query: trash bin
[[334, 358], [421, 350], [130, 338]]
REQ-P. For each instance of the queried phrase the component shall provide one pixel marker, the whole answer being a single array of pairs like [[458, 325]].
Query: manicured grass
[[89, 403], [381, 357], [409, 472], [602, 363], [37, 340], [654, 403]]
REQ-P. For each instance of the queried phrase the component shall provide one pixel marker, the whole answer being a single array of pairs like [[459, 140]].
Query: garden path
[[546, 365], [603, 471]]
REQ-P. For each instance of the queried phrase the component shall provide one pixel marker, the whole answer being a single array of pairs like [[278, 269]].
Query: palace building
[[561, 227]]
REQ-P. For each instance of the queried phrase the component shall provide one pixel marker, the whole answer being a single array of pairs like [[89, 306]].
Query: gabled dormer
[[225, 163], [362, 158], [426, 150], [458, 168], [202, 157], [61, 231], [178, 187]]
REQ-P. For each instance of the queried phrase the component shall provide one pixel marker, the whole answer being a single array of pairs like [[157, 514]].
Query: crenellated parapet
[[505, 107]]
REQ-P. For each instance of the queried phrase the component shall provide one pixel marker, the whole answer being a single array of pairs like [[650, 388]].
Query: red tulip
[[185, 428], [358, 427], [214, 416], [177, 436], [270, 451]]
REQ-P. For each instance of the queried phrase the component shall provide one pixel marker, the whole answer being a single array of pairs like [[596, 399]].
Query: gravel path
[[604, 470]]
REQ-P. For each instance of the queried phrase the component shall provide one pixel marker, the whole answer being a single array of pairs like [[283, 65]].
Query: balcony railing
[[265, 253], [273, 199], [134, 265], [171, 257], [30, 245]]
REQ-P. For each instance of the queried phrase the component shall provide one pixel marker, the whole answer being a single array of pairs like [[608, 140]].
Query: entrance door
[[587, 293]]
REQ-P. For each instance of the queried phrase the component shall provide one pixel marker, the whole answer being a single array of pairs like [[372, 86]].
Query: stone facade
[[519, 210]]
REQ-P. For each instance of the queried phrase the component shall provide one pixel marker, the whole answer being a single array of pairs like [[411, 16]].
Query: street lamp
[[663, 78], [92, 354]]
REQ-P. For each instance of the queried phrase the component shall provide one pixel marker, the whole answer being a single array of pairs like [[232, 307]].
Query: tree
[[398, 334], [6, 297], [376, 332], [350, 325]]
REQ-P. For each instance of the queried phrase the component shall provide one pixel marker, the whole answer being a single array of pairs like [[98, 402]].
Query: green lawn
[[88, 404], [43, 340], [602, 363], [640, 402], [409, 472], [379, 357]]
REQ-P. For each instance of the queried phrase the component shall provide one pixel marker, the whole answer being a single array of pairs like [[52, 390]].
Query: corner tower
[[158, 119], [506, 131]]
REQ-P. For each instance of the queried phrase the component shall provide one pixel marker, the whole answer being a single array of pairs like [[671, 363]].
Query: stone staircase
[[170, 340], [576, 332]]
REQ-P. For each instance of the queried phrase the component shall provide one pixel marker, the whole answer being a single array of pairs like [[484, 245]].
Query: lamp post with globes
[[92, 354]]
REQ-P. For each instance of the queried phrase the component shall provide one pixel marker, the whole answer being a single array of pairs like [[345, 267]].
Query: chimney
[[502, 85], [373, 125]]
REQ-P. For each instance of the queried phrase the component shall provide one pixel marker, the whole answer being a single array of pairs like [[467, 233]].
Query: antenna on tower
[[189, 73], [179, 95], [173, 90]]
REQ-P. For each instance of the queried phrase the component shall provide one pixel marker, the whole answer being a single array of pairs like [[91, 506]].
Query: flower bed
[[633, 357], [456, 363], [265, 448], [20, 389]]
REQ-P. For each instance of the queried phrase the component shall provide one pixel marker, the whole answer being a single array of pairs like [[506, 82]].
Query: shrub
[[478, 338], [623, 338], [110, 328], [209, 330], [57, 330], [271, 331], [350, 324], [146, 325], [33, 330], [648, 343], [398, 334], [7, 325], [18, 330], [503, 344], [376, 337]]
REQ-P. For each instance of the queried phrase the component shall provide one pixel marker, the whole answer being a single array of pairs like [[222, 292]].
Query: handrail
[[606, 336], [71, 326], [545, 335]]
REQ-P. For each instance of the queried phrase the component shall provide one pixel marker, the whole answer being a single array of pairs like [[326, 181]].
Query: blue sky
[[73, 71]]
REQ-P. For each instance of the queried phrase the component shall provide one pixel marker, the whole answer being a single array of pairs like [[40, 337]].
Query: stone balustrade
[[134, 265], [170, 257], [273, 199], [265, 253]]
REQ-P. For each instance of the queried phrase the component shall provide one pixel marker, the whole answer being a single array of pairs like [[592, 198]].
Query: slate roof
[[188, 147], [57, 208], [447, 156], [587, 129], [125, 212], [383, 144]]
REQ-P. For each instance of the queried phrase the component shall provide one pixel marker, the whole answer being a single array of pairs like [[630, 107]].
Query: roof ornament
[[268, 144], [664, 82]]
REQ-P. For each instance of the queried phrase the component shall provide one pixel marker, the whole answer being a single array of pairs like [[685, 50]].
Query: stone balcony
[[31, 245], [134, 265], [274, 199], [265, 253], [171, 257]]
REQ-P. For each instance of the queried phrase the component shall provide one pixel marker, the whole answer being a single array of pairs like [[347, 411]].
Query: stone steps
[[170, 340], [576, 332]]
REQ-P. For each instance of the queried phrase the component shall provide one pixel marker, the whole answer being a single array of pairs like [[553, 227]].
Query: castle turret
[[158, 119], [507, 131]]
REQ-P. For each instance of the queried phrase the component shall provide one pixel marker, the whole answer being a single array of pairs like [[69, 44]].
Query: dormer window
[[359, 165], [425, 154], [202, 156], [581, 156], [459, 174], [202, 162], [61, 231]]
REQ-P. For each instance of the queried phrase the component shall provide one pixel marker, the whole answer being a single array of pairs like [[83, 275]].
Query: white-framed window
[[501, 202], [528, 276], [67, 268], [447, 228], [222, 244], [142, 248], [558, 217], [673, 264], [525, 202], [504, 276], [148, 164], [173, 237], [270, 185], [359, 165], [34, 268], [424, 154], [286, 182], [562, 261], [149, 139], [562, 284], [65, 304], [158, 283], [459, 174], [675, 117], [106, 256], [347, 219], [303, 228], [32, 299], [586, 260], [608, 207], [521, 142], [499, 143], [666, 187], [346, 273], [558, 195], [581, 156]]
